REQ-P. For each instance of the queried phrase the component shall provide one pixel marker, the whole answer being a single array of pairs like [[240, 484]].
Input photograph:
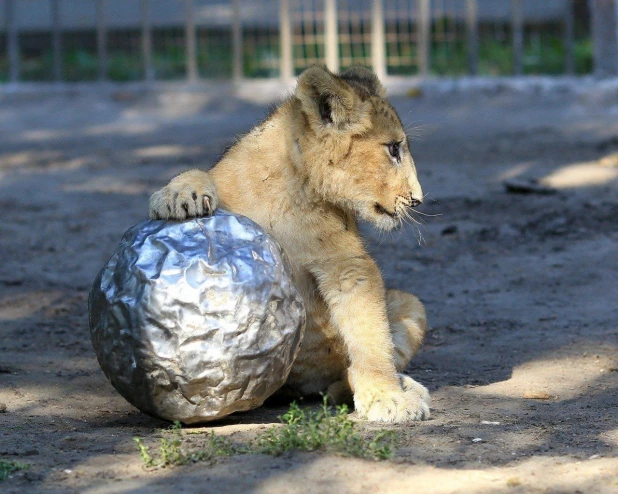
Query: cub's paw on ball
[[191, 194], [407, 403]]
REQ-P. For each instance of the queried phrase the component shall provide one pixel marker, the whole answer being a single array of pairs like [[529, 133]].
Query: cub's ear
[[329, 102], [364, 81]]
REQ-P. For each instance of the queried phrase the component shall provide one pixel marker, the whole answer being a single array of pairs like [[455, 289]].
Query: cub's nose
[[415, 202]]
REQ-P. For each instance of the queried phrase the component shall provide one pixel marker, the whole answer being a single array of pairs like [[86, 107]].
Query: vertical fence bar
[[569, 37], [13, 40], [517, 23], [424, 37], [101, 40], [472, 30], [378, 44], [286, 71], [237, 72], [147, 41], [331, 35], [191, 42], [605, 36], [56, 39]]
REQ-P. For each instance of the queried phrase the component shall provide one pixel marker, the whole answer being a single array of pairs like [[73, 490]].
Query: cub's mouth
[[382, 210]]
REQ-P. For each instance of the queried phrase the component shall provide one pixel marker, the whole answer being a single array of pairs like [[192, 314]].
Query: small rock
[[514, 186], [537, 395], [2, 407], [513, 482], [477, 440]]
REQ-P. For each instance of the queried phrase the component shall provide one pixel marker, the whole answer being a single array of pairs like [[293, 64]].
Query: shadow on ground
[[518, 289]]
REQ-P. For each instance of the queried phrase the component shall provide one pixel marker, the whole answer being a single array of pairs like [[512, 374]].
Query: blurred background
[[152, 40]]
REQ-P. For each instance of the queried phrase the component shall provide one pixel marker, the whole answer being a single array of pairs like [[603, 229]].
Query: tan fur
[[318, 163]]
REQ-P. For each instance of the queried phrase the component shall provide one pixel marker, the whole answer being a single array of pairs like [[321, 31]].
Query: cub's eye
[[394, 149]]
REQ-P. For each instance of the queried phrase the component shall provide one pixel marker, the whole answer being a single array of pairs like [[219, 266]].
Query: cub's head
[[352, 145]]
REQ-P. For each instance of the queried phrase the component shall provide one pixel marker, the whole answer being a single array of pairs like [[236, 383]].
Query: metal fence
[[148, 40]]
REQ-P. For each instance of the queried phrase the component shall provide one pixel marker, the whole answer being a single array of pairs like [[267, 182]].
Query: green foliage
[[8, 467], [174, 451], [80, 65], [308, 430], [583, 55], [301, 430], [144, 452]]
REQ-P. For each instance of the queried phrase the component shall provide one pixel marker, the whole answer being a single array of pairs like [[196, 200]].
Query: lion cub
[[331, 154]]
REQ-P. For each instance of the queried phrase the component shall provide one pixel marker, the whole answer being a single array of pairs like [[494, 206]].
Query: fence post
[[331, 35], [569, 38], [147, 41], [191, 42], [605, 36], [237, 72], [286, 70], [13, 40], [472, 29], [424, 37], [101, 40], [378, 46], [56, 39], [517, 23]]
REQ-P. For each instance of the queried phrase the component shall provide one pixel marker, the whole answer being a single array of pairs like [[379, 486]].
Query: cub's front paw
[[189, 195], [405, 404]]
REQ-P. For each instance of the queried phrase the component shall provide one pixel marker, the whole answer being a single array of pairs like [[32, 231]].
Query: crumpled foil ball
[[195, 320]]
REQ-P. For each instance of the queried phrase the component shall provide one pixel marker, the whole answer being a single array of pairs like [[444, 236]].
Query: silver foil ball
[[195, 320]]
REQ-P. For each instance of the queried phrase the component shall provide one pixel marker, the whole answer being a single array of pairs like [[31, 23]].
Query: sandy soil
[[520, 290]]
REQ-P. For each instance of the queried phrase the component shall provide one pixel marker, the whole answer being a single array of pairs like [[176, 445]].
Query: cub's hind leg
[[408, 324], [188, 195], [340, 392]]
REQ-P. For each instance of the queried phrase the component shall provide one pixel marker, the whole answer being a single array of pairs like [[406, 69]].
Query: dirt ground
[[520, 290]]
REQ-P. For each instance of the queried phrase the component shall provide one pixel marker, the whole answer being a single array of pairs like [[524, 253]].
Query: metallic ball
[[195, 320]]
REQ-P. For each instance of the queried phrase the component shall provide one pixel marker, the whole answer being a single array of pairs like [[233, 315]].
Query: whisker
[[427, 214], [414, 132], [410, 217], [381, 235], [419, 238], [409, 220]]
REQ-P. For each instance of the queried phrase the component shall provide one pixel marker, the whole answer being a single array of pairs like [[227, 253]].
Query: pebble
[[537, 395], [515, 186], [449, 230]]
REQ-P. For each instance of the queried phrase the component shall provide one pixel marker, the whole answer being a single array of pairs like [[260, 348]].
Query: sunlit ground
[[519, 288]]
